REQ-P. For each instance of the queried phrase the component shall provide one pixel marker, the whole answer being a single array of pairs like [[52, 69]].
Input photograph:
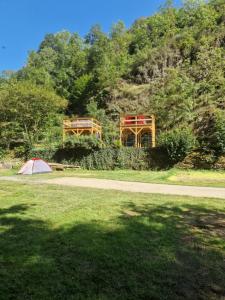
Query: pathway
[[138, 187], [134, 187]]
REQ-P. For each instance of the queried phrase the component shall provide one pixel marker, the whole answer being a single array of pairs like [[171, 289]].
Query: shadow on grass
[[166, 252]]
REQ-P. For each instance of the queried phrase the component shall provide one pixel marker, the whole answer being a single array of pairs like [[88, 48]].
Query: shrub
[[220, 163], [131, 158], [211, 131], [2, 153], [177, 143], [46, 154], [101, 159], [218, 137], [22, 151], [198, 159], [87, 142], [114, 158]]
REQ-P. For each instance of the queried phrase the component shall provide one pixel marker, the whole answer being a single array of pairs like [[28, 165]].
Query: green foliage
[[26, 112], [87, 142], [114, 158], [100, 160], [199, 159], [109, 127], [211, 130], [135, 159], [170, 64], [177, 143], [92, 158], [48, 154], [220, 163], [219, 132], [2, 153], [81, 91], [22, 151], [173, 100]]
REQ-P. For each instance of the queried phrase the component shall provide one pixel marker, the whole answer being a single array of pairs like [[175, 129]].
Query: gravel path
[[135, 187], [138, 187]]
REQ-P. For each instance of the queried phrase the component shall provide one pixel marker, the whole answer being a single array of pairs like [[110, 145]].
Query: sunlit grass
[[73, 243], [172, 176]]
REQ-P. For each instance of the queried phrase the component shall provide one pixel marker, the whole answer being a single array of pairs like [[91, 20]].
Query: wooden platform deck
[[138, 131], [82, 126]]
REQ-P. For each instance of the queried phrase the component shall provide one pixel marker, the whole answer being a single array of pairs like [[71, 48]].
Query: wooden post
[[92, 125], [63, 135], [153, 132], [138, 140], [140, 136], [121, 133], [136, 133]]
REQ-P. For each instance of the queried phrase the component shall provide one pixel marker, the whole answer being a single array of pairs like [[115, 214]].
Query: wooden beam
[[153, 132]]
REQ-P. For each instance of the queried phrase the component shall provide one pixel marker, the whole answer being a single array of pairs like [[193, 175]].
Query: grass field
[[173, 176], [72, 243]]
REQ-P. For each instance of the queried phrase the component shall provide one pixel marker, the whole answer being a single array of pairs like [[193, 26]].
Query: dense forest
[[171, 64]]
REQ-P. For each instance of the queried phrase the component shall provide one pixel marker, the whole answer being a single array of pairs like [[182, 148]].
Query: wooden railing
[[79, 123], [130, 121]]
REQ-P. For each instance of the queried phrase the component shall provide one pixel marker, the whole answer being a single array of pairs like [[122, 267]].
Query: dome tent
[[35, 166]]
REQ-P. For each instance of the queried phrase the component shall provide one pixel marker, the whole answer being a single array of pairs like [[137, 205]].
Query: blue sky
[[24, 23]]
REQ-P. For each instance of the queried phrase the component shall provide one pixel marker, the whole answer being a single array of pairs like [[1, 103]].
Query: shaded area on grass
[[157, 252]]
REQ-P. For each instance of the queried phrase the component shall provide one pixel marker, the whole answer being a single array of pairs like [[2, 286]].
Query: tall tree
[[26, 111]]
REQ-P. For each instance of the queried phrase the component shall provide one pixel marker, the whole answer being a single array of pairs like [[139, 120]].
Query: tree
[[170, 64], [26, 110], [118, 30], [210, 129]]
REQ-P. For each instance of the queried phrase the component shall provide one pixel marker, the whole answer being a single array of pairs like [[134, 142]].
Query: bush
[[211, 131], [177, 143], [87, 142], [22, 151], [218, 136], [2, 153], [113, 158], [131, 158], [46, 154], [220, 163], [198, 159], [102, 159]]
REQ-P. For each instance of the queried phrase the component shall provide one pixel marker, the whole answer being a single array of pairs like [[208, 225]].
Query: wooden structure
[[137, 131], [82, 126], [61, 167]]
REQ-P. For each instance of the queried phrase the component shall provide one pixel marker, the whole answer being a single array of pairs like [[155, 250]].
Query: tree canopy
[[171, 64], [26, 112]]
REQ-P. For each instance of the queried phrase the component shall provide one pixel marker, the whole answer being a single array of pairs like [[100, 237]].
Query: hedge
[[103, 159]]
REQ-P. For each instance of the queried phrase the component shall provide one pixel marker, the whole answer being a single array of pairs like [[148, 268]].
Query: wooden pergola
[[138, 131], [82, 126]]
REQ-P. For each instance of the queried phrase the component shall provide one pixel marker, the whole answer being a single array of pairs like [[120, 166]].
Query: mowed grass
[[172, 176], [73, 243]]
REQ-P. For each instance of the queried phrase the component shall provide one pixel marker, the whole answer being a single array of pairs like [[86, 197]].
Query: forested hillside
[[171, 64]]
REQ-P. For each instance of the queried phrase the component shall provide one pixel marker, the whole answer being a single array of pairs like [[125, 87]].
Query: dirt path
[[138, 187], [134, 187]]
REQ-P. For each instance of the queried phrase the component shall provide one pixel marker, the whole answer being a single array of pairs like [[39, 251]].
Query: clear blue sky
[[24, 23]]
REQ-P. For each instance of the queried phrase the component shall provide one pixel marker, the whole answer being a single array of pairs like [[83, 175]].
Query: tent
[[35, 166]]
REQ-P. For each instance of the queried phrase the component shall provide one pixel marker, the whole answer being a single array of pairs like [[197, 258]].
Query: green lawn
[[173, 176], [73, 243]]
